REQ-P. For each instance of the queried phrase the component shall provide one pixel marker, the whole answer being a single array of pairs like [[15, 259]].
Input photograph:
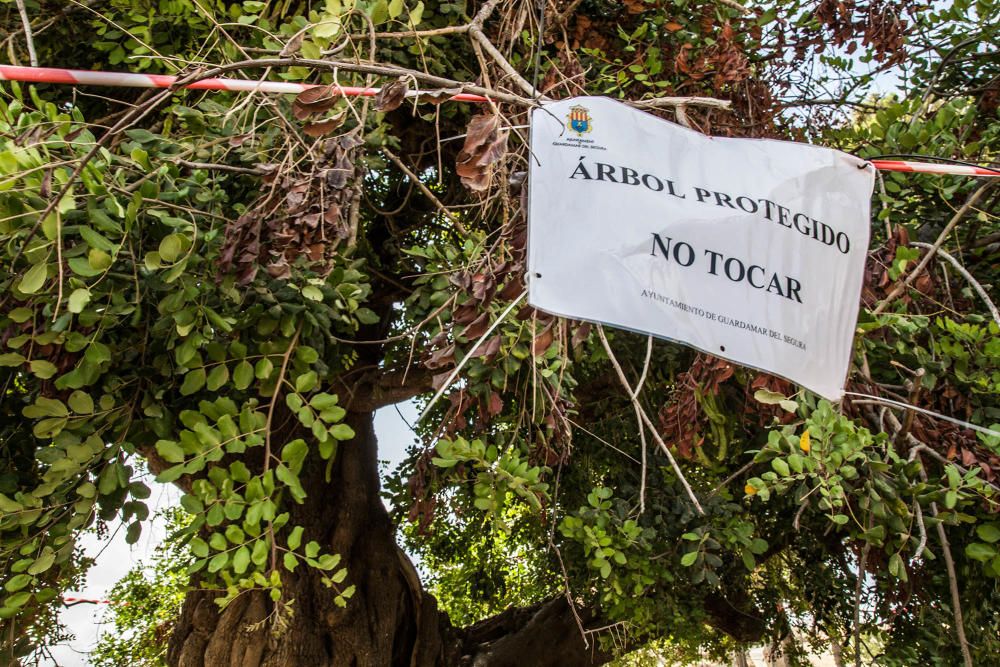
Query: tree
[[227, 285], [143, 604]]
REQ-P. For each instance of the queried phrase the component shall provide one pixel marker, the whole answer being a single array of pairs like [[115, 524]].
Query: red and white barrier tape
[[130, 80], [67, 599], [930, 168]]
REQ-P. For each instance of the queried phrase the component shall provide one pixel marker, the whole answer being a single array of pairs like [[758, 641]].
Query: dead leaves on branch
[[485, 144], [316, 101], [392, 95], [303, 217], [325, 127]]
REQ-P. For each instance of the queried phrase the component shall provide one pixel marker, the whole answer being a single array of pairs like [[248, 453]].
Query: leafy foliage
[[226, 285]]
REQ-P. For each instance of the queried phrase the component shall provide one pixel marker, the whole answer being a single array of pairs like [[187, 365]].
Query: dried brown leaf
[[293, 45], [477, 327], [437, 96], [392, 95], [485, 144], [490, 347], [327, 126], [542, 341], [315, 100]]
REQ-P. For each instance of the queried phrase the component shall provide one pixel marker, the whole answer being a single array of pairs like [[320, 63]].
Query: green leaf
[[79, 299], [323, 401], [416, 14], [218, 377], [950, 499], [218, 562], [17, 600], [17, 582], [688, 559], [978, 551], [11, 359], [768, 397], [43, 562], [988, 532], [263, 369], [46, 407], [294, 453], [34, 278], [81, 403], [170, 451], [241, 560], [290, 561], [342, 432], [780, 467], [295, 538], [192, 504], [194, 380], [199, 547], [312, 293], [259, 555], [306, 382], [171, 247], [43, 369], [379, 12], [98, 261], [242, 375], [896, 567], [395, 8], [133, 532], [235, 534]]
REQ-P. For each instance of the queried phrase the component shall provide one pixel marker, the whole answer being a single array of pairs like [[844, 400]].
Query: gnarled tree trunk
[[389, 621]]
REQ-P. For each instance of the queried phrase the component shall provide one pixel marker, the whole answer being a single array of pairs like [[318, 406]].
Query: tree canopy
[[218, 289]]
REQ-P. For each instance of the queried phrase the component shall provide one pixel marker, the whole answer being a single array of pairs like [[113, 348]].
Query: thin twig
[[735, 5], [563, 17], [878, 400], [253, 171], [26, 22], [922, 544], [642, 431], [427, 191], [968, 276], [857, 603], [670, 101], [467, 357], [522, 83], [267, 431], [956, 601], [646, 420], [732, 477], [901, 287]]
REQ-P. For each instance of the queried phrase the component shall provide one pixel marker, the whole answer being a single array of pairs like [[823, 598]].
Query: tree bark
[[390, 621]]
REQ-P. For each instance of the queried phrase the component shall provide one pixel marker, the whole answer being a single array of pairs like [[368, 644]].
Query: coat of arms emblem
[[579, 120]]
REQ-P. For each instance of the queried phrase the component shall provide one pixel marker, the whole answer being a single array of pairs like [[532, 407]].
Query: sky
[[115, 558]]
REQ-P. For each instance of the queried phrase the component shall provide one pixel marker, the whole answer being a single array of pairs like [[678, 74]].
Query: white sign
[[752, 250]]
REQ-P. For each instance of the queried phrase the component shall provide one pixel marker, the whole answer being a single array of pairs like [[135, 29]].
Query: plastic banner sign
[[751, 250]]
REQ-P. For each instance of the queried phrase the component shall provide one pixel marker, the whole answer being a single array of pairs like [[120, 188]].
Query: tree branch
[[388, 388], [32, 56], [901, 287], [968, 276]]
